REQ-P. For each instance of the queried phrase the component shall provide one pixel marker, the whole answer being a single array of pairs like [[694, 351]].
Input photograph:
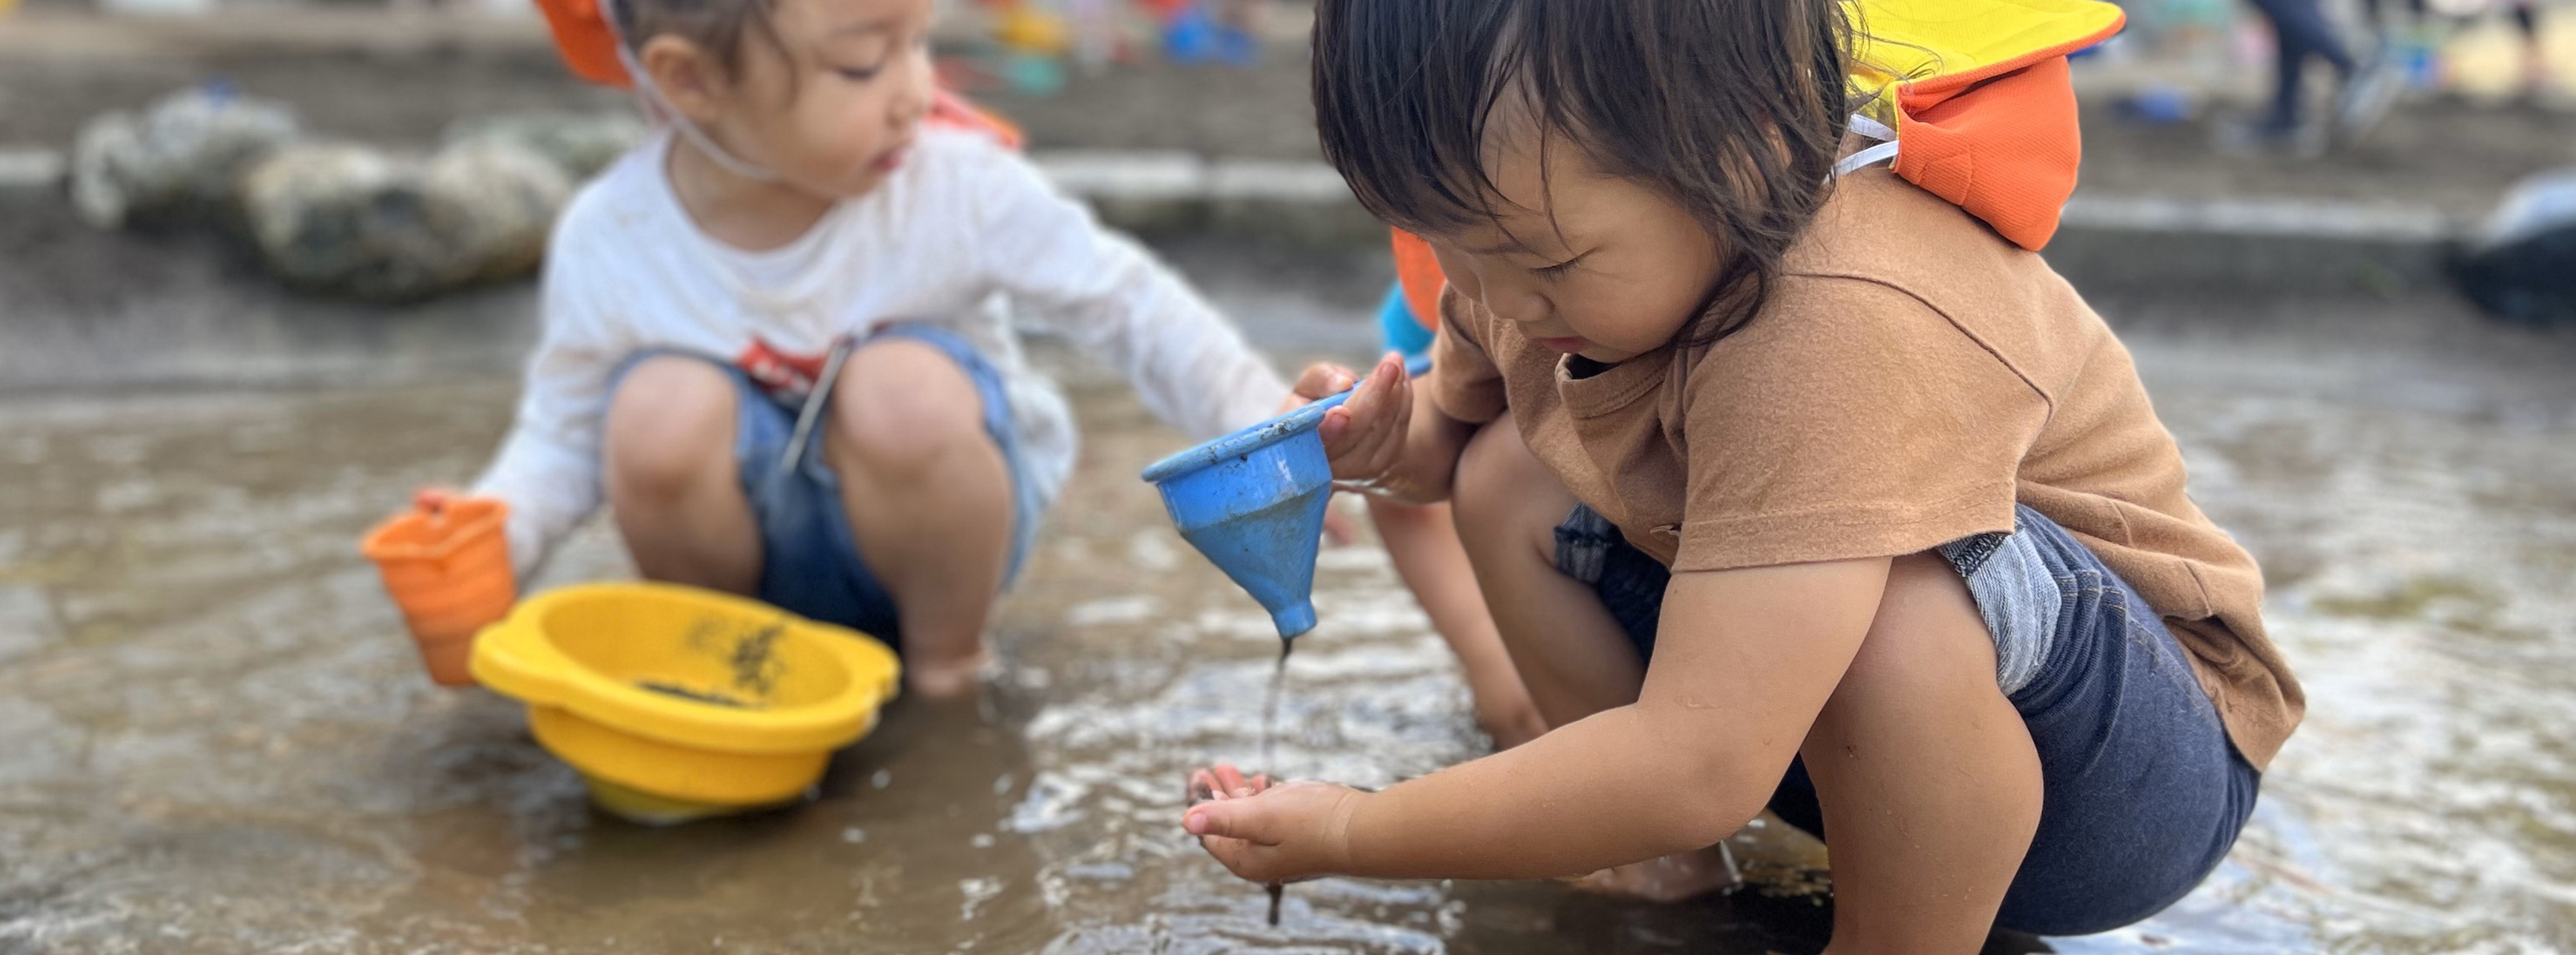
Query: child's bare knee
[[900, 407], [1502, 494], [670, 426]]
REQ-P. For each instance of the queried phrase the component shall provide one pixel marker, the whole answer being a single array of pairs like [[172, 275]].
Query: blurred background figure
[[2301, 30]]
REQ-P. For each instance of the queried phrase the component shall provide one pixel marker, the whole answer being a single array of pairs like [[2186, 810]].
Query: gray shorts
[[2145, 794]]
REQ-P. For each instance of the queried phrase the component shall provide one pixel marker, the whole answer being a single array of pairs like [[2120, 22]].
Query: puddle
[[214, 689]]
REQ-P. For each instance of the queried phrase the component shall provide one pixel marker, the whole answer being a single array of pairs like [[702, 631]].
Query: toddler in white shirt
[[778, 339]]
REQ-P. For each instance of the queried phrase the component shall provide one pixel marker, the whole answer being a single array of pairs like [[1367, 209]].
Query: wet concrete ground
[[214, 737]]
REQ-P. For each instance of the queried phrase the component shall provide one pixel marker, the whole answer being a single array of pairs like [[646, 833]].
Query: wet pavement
[[214, 737]]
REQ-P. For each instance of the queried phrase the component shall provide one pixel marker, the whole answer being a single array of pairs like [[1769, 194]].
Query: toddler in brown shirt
[[1789, 480]]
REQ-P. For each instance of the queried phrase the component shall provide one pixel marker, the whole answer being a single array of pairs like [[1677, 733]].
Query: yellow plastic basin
[[676, 702]]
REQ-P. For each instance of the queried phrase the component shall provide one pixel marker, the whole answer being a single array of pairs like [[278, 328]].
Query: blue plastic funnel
[[1253, 502]]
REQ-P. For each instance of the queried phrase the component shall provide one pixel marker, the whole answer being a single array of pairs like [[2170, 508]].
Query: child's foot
[[1672, 878], [937, 680]]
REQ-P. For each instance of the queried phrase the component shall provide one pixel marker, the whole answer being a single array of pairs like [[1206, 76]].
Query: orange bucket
[[447, 565]]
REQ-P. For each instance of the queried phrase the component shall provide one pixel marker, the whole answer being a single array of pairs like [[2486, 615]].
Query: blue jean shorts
[[2144, 792], [810, 563]]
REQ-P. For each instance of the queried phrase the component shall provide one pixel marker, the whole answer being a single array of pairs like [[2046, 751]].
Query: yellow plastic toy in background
[[677, 703]]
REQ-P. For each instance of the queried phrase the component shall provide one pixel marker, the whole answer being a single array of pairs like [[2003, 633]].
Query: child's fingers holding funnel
[[1319, 381], [1364, 437]]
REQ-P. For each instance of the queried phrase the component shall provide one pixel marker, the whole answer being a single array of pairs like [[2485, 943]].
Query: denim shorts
[[2144, 792], [810, 563]]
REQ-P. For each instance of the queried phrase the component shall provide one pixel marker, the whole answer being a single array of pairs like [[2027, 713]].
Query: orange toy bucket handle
[[446, 564]]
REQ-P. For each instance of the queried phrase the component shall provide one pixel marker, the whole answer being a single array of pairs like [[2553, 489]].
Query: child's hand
[[1223, 781], [433, 499], [1272, 832], [1364, 437]]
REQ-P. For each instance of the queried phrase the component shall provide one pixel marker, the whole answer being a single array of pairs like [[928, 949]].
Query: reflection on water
[[217, 739]]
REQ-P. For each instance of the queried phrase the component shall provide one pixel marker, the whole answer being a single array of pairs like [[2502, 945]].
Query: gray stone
[[355, 220], [180, 153]]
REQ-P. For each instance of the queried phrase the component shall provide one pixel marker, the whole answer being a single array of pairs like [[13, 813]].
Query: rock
[[342, 217], [182, 152], [337, 216], [2522, 265], [496, 203], [581, 144], [351, 219]]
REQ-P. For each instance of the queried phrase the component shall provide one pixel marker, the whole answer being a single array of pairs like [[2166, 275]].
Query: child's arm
[[1744, 664], [548, 469], [1108, 295]]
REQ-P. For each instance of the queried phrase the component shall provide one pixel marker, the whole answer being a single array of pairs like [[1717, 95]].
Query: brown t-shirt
[[1911, 377]]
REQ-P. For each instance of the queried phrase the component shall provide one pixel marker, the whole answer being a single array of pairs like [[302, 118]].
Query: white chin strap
[[1871, 129], [659, 106]]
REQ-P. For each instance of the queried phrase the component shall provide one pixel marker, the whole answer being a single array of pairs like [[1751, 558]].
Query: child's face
[[833, 112], [1617, 273]]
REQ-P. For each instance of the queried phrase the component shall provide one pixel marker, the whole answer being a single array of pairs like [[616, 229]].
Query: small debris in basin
[[709, 697], [751, 656]]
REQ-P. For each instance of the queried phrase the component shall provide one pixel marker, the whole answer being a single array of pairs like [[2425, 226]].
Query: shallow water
[[217, 740]]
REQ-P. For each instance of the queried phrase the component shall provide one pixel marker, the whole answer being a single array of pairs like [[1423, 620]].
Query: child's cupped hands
[[1364, 437], [1271, 832]]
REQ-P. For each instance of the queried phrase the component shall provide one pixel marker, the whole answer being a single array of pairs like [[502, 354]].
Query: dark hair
[[721, 27], [1734, 109]]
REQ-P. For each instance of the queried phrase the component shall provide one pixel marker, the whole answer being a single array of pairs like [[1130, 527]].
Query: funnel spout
[[1292, 621]]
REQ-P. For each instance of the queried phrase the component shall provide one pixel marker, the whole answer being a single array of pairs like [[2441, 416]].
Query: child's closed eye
[[1559, 269]]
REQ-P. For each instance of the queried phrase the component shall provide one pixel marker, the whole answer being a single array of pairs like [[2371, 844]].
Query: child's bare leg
[[929, 500], [1572, 655], [1423, 541], [1569, 650], [1926, 774], [672, 483]]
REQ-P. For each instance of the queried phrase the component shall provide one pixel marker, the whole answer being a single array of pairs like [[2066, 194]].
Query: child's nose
[[916, 89], [1520, 307]]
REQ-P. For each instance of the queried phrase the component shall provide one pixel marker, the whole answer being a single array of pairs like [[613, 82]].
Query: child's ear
[[693, 81]]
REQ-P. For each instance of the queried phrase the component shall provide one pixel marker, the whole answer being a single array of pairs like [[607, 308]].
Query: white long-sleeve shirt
[[963, 235]]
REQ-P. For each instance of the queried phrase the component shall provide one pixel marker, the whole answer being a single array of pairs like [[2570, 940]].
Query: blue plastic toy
[[1198, 36], [1253, 502]]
